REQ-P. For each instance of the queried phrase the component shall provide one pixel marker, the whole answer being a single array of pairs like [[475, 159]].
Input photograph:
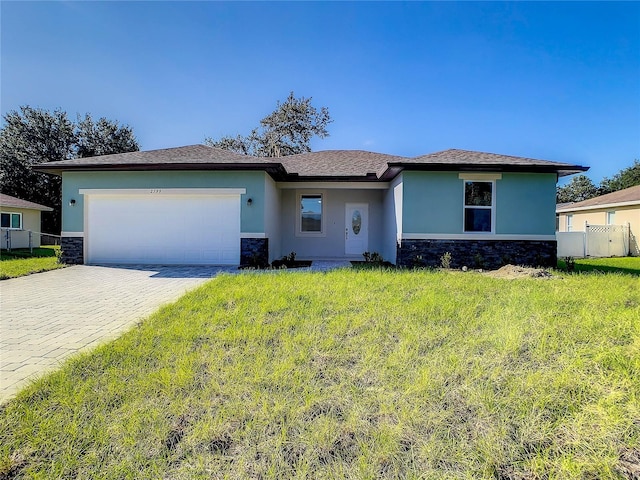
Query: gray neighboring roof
[[327, 165], [9, 201], [628, 196]]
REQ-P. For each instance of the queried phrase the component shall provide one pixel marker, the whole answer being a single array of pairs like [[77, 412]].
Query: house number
[[155, 190]]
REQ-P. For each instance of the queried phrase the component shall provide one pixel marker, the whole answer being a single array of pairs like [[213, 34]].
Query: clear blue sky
[[556, 81]]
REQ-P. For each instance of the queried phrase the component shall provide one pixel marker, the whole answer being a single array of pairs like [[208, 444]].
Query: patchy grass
[[612, 264], [20, 261], [350, 374]]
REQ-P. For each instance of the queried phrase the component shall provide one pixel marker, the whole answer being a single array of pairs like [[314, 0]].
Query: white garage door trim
[[146, 225]]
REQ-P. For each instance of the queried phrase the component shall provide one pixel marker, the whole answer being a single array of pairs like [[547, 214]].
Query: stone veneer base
[[489, 254], [72, 249], [254, 252]]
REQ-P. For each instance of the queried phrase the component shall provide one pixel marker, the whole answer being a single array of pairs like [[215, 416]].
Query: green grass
[[350, 374], [614, 264], [20, 261]]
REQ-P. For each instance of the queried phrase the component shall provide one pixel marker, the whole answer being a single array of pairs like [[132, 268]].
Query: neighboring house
[[616, 208], [18, 218], [202, 205]]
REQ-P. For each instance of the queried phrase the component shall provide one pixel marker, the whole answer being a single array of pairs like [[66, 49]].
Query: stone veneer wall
[[72, 250], [490, 254], [254, 252]]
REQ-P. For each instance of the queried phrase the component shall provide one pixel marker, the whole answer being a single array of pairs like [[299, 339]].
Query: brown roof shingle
[[631, 194], [9, 201]]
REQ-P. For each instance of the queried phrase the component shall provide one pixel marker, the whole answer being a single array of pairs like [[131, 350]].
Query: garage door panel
[[170, 229]]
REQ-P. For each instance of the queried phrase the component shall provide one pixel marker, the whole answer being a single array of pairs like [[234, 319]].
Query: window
[[478, 206], [611, 218], [569, 223], [12, 221], [311, 214]]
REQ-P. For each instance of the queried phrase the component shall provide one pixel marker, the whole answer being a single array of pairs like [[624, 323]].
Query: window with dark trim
[[478, 206]]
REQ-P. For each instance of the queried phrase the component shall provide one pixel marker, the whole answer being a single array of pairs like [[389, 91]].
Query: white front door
[[356, 231]]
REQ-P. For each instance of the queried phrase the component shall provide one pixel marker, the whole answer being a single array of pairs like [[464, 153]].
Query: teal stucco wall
[[433, 203], [251, 217]]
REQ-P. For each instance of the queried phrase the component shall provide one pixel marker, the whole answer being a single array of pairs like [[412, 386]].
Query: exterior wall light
[[249, 201], [72, 202]]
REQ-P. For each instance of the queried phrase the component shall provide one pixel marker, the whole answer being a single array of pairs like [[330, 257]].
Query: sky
[[554, 81]]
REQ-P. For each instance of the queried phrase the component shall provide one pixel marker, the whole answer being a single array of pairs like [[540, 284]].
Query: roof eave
[[464, 167]]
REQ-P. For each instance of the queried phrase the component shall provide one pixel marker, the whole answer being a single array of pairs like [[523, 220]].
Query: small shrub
[[445, 260], [372, 257], [570, 263]]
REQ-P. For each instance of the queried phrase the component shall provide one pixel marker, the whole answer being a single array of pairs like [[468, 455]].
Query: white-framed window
[[611, 218], [310, 219], [569, 223], [11, 220], [479, 206]]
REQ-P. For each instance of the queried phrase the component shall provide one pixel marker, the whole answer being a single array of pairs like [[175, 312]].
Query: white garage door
[[163, 228]]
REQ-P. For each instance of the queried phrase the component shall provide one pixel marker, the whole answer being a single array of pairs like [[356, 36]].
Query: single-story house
[[203, 205], [616, 208], [17, 219]]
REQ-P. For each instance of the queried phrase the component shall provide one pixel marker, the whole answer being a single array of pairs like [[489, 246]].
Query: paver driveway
[[49, 316]]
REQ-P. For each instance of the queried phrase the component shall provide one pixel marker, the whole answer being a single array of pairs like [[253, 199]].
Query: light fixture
[[72, 202], [249, 201]]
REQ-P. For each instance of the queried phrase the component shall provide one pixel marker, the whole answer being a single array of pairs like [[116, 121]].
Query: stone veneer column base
[[72, 249], [489, 254], [254, 252]]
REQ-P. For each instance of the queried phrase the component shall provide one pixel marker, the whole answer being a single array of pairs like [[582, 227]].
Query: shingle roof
[[9, 201], [629, 195], [338, 163], [462, 158], [330, 164]]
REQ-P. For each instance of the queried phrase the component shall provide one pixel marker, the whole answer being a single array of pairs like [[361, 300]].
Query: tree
[[32, 136], [288, 130], [103, 137], [625, 178], [578, 189]]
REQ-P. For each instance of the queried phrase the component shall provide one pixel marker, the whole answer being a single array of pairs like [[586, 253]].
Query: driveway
[[46, 317]]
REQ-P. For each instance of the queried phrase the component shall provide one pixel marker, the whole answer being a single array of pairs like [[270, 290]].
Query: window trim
[[610, 217], [323, 214], [569, 223], [10, 222], [492, 208]]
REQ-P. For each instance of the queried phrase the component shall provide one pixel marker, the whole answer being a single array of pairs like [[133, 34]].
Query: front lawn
[[350, 374], [612, 264], [20, 261]]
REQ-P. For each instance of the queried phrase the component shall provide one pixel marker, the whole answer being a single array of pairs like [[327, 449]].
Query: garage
[[162, 226]]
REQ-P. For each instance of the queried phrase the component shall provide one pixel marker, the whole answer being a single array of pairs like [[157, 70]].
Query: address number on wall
[[155, 190]]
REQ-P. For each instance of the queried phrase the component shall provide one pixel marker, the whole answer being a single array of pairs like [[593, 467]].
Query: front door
[[356, 231]]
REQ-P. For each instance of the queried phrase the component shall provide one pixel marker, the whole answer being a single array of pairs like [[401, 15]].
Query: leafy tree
[[578, 189], [625, 178], [103, 137], [288, 130], [31, 136]]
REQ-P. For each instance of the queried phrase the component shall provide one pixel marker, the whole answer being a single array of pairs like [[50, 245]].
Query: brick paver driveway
[[49, 316]]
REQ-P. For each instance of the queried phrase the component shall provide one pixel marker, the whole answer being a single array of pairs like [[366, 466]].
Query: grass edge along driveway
[[346, 374], [20, 262]]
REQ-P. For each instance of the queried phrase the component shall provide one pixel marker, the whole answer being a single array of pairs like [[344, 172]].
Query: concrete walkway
[[46, 317]]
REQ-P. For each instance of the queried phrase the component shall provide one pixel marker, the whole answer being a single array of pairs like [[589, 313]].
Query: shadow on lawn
[[588, 268]]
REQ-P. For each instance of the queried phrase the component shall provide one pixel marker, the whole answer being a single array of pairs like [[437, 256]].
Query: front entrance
[[356, 232]]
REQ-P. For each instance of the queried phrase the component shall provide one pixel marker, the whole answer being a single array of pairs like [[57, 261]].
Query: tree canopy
[[287, 130], [31, 136], [582, 187]]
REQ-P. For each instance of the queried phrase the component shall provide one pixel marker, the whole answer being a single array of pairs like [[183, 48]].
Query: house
[[202, 205], [20, 221], [616, 208]]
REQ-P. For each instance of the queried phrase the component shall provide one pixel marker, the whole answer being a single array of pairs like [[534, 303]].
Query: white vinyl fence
[[595, 241]]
